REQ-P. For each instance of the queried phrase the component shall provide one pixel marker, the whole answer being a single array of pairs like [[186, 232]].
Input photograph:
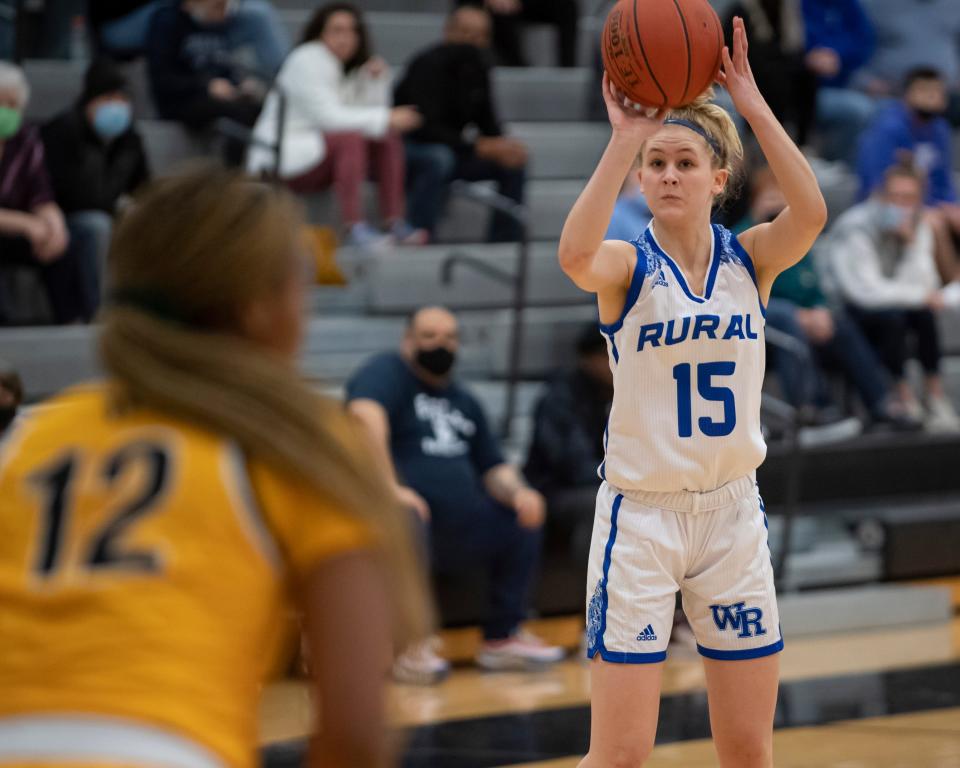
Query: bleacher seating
[[546, 107]]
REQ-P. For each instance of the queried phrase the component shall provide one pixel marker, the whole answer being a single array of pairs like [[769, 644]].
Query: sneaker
[[363, 235], [941, 416], [893, 416], [420, 664], [520, 651], [913, 409], [403, 233], [833, 432]]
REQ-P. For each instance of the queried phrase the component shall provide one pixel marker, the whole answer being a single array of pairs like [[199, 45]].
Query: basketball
[[662, 53]]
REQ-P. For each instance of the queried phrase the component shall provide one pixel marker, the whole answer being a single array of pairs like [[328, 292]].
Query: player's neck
[[688, 246]]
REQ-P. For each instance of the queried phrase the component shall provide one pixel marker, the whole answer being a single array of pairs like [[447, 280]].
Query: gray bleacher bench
[[55, 85], [562, 150], [465, 221], [542, 93], [50, 358], [169, 145], [400, 281]]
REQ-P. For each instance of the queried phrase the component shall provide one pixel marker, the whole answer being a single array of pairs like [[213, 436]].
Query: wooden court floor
[[885, 699]]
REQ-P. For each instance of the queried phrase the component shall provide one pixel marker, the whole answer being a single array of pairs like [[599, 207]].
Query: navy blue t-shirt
[[439, 438]]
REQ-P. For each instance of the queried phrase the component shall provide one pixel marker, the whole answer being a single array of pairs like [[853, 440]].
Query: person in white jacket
[[339, 128], [881, 256]]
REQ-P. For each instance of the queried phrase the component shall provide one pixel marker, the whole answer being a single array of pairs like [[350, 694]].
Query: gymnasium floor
[[886, 699]]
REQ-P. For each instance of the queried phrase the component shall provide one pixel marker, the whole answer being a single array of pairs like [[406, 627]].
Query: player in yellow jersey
[[156, 526]]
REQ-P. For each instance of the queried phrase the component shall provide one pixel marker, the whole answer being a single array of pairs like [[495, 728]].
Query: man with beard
[[445, 463]]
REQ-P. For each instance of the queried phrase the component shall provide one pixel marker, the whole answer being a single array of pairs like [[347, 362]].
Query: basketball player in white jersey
[[682, 310]]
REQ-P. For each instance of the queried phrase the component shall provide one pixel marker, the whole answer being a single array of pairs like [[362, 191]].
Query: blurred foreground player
[[155, 527]]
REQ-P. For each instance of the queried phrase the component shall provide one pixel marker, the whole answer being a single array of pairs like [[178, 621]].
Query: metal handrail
[[791, 417]]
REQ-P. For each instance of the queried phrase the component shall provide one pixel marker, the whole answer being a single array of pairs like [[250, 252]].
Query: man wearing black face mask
[[11, 394], [915, 126], [447, 466]]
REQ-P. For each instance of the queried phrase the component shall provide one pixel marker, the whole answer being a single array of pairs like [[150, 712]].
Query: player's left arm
[[783, 242], [505, 484]]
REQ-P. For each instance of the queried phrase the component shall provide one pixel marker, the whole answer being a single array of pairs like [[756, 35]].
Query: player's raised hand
[[626, 119], [737, 77]]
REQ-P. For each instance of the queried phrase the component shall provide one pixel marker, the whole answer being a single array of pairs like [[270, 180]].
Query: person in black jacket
[[779, 59], [567, 447], [95, 159], [461, 137], [196, 75]]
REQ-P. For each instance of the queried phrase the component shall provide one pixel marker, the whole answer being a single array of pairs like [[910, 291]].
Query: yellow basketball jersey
[[145, 568]]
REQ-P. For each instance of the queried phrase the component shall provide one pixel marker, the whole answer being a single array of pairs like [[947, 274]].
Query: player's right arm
[[596, 265]]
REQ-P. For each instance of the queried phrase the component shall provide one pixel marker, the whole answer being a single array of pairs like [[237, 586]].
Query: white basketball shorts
[[711, 546]]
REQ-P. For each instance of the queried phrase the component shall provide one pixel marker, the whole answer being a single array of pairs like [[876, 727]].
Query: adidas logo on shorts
[[647, 633]]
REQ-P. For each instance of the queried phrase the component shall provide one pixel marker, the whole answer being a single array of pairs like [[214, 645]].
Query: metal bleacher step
[[402, 280], [465, 221], [50, 358]]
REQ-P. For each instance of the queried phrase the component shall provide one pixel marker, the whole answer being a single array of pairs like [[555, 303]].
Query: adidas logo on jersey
[[647, 633], [662, 280]]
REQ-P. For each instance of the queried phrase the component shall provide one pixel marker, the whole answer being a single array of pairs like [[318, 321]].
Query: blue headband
[[714, 144]]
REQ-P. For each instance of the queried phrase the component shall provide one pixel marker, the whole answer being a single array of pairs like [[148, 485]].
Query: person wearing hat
[[96, 159]]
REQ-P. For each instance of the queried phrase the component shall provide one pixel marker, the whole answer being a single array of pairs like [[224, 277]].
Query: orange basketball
[[662, 53]]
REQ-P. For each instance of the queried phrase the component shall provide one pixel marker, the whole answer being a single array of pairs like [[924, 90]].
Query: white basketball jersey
[[687, 371]]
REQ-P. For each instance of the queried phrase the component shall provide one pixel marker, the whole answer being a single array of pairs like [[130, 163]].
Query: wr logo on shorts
[[745, 620]]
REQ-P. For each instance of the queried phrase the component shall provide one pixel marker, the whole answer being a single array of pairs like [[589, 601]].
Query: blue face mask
[[112, 119]]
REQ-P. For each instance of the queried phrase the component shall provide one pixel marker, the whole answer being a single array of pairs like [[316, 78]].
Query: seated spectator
[[911, 34], [460, 137], [839, 40], [567, 447], [510, 17], [11, 396], [881, 255], [479, 511], [779, 60], [631, 214], [120, 28], [339, 128], [915, 125], [95, 158], [32, 229], [194, 74], [798, 306]]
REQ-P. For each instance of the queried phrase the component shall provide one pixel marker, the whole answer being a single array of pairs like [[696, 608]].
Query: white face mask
[[893, 217]]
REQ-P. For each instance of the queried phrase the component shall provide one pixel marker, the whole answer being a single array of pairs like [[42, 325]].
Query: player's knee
[[625, 755], [746, 751]]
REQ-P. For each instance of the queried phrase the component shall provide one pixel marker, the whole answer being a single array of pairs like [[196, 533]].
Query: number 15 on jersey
[[683, 375]]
